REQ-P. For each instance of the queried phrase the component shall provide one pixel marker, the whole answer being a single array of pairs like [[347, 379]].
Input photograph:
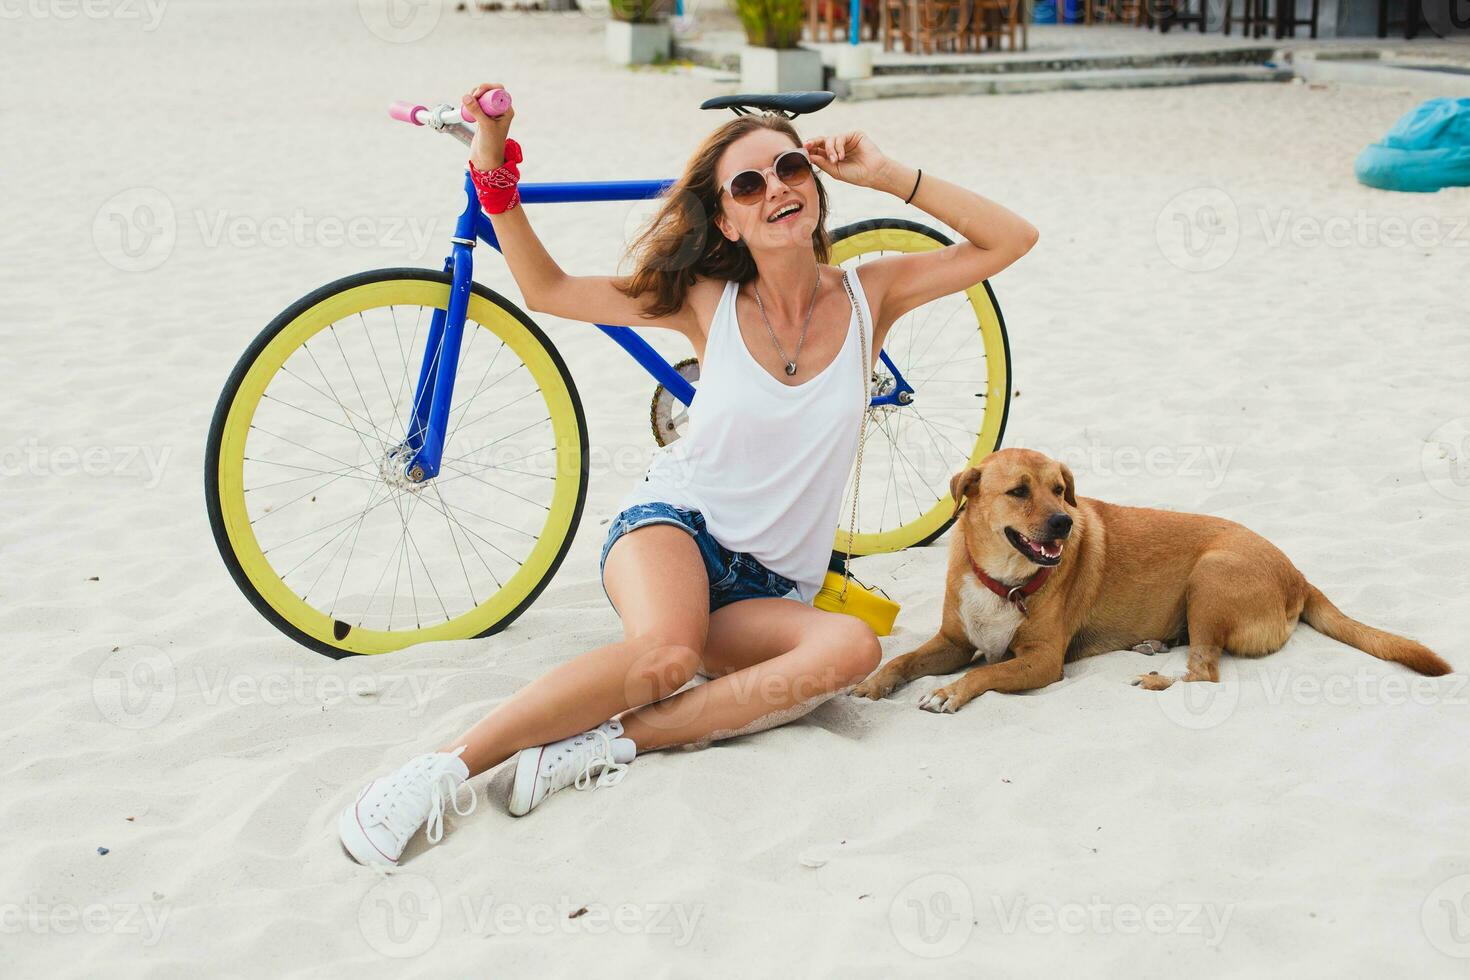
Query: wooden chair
[[893, 24], [1258, 18], [1023, 21], [1287, 21], [1133, 12], [1177, 13], [940, 25], [1413, 19], [1255, 18], [989, 23], [831, 17], [921, 26]]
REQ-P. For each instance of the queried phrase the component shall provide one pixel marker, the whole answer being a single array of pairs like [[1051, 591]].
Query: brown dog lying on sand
[[1037, 571]]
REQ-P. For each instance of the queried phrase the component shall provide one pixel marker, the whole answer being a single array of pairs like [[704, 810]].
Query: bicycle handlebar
[[495, 102]]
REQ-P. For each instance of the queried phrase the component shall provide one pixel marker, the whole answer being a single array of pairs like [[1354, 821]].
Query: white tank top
[[766, 462]]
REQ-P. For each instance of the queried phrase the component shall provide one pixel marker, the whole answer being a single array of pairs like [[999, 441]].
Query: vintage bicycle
[[401, 455]]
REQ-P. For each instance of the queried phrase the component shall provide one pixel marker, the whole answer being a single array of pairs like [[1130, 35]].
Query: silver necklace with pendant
[[790, 361]]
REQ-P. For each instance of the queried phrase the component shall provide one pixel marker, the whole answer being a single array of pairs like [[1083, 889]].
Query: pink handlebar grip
[[494, 102], [406, 112]]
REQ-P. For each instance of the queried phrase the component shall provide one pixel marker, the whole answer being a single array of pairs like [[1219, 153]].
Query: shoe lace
[[407, 805], [591, 754]]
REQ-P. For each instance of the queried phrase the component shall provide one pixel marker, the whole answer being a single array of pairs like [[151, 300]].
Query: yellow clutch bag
[[845, 594], [841, 592]]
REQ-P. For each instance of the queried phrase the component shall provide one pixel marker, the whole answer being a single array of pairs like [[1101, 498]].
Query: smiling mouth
[[1040, 552], [787, 213]]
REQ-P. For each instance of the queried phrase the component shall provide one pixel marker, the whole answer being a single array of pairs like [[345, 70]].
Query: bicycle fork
[[422, 453]]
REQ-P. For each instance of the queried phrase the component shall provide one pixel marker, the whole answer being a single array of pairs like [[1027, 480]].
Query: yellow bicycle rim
[[563, 505]]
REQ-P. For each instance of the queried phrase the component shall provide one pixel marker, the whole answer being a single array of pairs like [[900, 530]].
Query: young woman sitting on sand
[[715, 557]]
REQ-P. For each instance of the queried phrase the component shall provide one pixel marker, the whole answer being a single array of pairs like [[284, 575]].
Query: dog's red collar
[[1013, 594]]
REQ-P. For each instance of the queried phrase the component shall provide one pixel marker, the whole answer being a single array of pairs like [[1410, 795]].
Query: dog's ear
[[1069, 486], [962, 485]]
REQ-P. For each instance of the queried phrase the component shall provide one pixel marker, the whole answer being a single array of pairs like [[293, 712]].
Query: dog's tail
[[1327, 619]]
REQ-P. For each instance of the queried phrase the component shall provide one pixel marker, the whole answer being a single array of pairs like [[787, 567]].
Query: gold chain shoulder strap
[[867, 372]]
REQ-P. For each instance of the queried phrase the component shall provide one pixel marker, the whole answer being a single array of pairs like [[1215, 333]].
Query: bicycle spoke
[[292, 442], [469, 589], [382, 447], [351, 517], [476, 534], [402, 353], [315, 415], [428, 576], [496, 411], [310, 470], [493, 486], [319, 530], [347, 411], [393, 596], [280, 508], [479, 388], [910, 467], [368, 335]]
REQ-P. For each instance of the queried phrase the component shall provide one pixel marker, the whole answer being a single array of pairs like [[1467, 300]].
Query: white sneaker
[[377, 826], [543, 770]]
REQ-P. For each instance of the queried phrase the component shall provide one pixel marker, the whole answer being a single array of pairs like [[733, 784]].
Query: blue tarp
[[1428, 149]]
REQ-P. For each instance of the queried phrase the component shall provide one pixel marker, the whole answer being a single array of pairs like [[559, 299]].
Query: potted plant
[[638, 32], [773, 61]]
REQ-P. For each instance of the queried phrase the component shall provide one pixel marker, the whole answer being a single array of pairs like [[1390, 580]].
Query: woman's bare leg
[[656, 578], [773, 660]]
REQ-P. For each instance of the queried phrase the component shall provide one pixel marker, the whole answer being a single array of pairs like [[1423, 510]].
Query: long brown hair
[[683, 243]]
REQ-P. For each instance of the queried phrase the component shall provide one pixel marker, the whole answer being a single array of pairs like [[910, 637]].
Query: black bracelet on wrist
[[917, 177]]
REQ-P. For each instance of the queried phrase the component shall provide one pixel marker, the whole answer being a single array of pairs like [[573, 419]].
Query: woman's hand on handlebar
[[487, 149]]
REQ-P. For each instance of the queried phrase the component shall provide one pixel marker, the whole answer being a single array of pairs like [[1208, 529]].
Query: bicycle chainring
[[669, 416]]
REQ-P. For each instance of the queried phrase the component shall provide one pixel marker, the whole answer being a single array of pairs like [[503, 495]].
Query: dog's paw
[[943, 701], [1150, 647], [873, 689], [1153, 681]]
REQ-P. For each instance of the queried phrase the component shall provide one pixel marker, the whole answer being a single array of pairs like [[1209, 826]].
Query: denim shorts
[[733, 575]]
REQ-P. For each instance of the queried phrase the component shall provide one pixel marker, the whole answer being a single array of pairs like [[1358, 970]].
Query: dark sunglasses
[[791, 168]]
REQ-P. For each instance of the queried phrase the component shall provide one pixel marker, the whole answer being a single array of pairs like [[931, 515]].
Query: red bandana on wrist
[[497, 188]]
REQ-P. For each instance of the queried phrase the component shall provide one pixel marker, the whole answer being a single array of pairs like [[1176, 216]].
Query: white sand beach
[[1306, 372]]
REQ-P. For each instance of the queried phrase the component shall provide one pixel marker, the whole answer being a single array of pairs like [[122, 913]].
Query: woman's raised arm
[[995, 236], [544, 285]]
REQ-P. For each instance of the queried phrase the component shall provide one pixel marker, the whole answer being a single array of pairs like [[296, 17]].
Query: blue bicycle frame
[[435, 388]]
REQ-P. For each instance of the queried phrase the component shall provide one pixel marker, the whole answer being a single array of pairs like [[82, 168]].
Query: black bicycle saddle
[[790, 104]]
